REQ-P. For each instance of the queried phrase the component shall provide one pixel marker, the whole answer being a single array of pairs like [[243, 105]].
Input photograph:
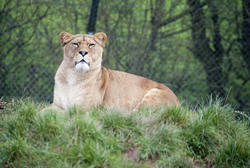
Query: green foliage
[[164, 137], [123, 127], [177, 116], [234, 153]]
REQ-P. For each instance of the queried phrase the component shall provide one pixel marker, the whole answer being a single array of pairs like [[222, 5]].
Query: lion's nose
[[83, 53]]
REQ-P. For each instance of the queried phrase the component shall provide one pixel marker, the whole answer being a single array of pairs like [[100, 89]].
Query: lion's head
[[83, 51]]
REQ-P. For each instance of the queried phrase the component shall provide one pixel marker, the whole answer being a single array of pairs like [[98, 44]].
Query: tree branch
[[174, 33], [182, 14]]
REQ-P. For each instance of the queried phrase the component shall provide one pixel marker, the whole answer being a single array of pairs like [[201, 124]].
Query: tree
[[246, 32], [242, 92], [211, 59]]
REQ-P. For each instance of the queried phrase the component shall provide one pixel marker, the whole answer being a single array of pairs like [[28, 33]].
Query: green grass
[[166, 137]]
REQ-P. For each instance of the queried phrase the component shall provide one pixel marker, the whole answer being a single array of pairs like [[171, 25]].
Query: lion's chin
[[82, 66]]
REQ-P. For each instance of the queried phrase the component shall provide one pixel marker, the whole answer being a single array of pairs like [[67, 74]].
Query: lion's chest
[[69, 95]]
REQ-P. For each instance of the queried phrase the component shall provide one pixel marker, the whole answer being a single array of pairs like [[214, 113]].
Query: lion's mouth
[[81, 62], [82, 65]]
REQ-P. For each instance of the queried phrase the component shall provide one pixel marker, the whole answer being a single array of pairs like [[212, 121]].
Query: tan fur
[[88, 84]]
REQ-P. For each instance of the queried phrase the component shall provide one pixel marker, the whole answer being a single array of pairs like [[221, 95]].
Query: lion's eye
[[75, 44], [91, 45]]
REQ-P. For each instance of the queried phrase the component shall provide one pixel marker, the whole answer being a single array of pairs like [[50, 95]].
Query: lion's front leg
[[52, 107]]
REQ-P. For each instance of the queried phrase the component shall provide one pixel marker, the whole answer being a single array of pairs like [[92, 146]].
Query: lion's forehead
[[83, 37]]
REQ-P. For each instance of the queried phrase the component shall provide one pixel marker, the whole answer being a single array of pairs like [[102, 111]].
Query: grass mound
[[165, 137]]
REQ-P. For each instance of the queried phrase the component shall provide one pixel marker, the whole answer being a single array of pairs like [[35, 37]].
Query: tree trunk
[[92, 17], [245, 41], [210, 59], [157, 13], [3, 75]]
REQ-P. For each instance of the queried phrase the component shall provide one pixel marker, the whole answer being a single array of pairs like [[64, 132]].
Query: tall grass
[[166, 137]]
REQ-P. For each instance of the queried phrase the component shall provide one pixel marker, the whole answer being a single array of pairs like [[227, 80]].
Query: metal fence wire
[[197, 48]]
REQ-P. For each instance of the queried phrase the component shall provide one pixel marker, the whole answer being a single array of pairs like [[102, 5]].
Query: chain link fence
[[197, 48]]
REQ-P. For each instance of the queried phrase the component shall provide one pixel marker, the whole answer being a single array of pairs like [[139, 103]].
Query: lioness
[[82, 80]]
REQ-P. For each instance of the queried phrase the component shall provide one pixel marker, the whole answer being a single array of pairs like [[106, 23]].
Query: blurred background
[[198, 48]]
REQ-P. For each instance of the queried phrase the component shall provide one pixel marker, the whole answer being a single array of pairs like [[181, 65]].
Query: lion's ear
[[65, 37], [101, 38]]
